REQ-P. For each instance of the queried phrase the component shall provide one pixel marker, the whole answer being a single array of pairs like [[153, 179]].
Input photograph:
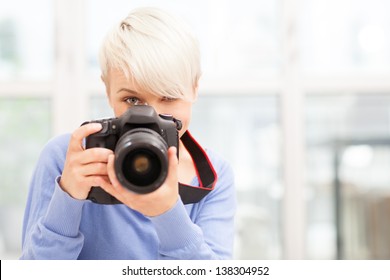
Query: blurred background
[[294, 93]]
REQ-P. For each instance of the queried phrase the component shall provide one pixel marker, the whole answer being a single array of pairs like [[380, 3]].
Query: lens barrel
[[141, 160]]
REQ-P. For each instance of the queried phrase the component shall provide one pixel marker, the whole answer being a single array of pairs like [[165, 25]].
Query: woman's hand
[[150, 204], [84, 168]]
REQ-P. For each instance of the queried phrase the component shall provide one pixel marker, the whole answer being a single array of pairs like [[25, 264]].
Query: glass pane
[[99, 108], [238, 39], [246, 131], [25, 128], [345, 36], [363, 185], [348, 158], [26, 39]]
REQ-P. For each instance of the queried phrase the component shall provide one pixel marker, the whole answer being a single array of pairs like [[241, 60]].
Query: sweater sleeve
[[52, 218], [207, 232]]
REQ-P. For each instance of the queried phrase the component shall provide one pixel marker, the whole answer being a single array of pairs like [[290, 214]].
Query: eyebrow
[[128, 90]]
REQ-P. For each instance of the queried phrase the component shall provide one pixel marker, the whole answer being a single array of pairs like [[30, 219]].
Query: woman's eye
[[132, 101], [169, 99]]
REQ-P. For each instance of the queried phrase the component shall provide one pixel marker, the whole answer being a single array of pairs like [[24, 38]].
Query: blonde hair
[[156, 50]]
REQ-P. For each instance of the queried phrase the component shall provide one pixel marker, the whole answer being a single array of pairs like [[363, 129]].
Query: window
[[22, 56], [26, 72], [347, 162], [345, 37]]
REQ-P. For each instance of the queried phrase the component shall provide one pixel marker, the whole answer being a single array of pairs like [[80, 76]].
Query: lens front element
[[141, 167], [141, 164]]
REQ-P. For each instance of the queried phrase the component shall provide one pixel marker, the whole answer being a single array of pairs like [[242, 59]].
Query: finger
[[112, 185], [76, 140], [172, 166], [173, 161], [95, 155], [111, 172], [93, 169], [96, 180]]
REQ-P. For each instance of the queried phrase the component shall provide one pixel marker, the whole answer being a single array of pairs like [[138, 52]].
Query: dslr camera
[[140, 139]]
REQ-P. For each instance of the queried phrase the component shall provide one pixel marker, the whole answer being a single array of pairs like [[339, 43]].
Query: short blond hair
[[156, 50]]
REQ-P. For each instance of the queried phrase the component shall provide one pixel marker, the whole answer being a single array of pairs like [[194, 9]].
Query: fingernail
[[97, 126]]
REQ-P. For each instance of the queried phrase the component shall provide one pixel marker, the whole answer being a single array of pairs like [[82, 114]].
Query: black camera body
[[140, 139]]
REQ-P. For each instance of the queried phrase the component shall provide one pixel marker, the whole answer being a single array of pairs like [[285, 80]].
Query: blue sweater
[[56, 226]]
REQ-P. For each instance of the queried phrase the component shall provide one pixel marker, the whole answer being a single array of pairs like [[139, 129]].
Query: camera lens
[[141, 167], [141, 162]]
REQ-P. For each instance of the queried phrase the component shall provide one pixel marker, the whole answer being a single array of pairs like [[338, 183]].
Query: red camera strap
[[204, 169]]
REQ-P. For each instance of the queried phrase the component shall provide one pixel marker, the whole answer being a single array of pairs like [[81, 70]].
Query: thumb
[[172, 165], [173, 157]]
